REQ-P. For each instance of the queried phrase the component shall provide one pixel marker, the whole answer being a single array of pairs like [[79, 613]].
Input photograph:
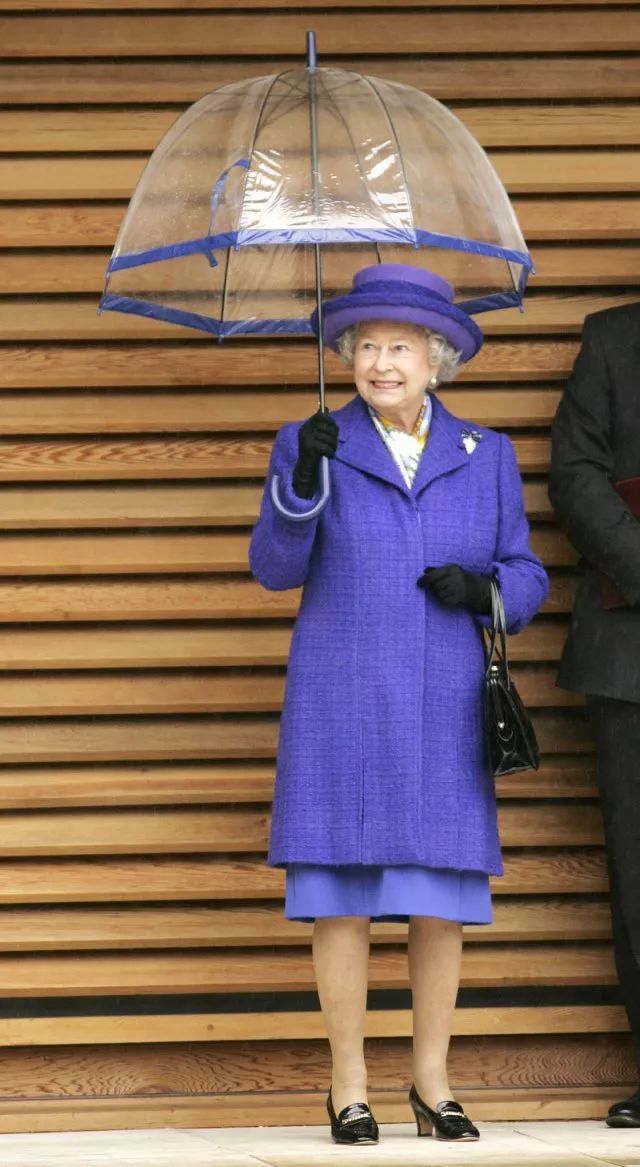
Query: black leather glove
[[456, 588], [317, 438]]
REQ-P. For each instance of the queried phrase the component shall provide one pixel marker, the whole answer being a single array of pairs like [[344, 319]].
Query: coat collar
[[359, 445]]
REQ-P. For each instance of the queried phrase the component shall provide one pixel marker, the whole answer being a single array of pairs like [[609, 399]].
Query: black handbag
[[511, 738]]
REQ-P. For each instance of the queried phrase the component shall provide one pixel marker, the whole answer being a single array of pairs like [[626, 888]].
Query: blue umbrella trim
[[128, 304], [289, 326], [238, 239]]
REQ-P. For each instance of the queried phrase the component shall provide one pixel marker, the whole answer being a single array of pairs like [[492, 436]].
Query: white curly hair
[[441, 352]]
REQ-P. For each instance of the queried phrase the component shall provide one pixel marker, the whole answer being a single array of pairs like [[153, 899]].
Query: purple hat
[[397, 291]]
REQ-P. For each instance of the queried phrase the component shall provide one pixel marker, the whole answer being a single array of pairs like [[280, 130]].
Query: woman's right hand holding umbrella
[[317, 438]]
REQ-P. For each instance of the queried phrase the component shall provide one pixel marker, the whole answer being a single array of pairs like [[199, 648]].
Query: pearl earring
[[433, 382]]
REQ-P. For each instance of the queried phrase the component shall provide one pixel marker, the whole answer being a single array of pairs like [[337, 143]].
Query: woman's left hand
[[456, 588]]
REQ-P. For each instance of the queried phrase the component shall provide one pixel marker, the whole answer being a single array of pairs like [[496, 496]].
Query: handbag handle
[[498, 632]]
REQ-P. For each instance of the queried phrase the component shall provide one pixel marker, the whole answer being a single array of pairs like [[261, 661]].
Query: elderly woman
[[384, 804]]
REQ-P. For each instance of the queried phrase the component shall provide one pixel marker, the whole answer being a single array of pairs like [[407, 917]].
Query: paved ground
[[517, 1144]]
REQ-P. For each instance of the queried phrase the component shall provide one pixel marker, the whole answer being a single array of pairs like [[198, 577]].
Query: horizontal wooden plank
[[82, 224], [34, 507], [566, 76], [149, 645], [37, 272], [215, 1069], [575, 823], [75, 319], [98, 554], [203, 736], [54, 459], [65, 366], [38, 787], [31, 506], [61, 460], [291, 1026], [133, 553], [161, 831], [483, 965], [118, 692], [196, 691], [202, 598], [53, 694], [75, 929], [564, 218], [500, 1104], [543, 125], [577, 871], [570, 777], [140, 128], [133, 5], [379, 1023], [84, 271], [173, 831], [598, 171], [191, 34], [218, 1071], [552, 547], [158, 879], [199, 645], [29, 412], [159, 647], [593, 266], [137, 738]]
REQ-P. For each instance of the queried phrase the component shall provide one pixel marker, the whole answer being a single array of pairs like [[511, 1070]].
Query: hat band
[[400, 287], [401, 297]]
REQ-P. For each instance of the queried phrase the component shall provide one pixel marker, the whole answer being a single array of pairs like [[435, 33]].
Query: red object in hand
[[629, 491]]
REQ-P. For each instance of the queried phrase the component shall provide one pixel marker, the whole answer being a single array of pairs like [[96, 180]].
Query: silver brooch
[[470, 439]]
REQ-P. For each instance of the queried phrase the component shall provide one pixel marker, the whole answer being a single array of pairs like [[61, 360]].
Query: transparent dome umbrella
[[269, 194]]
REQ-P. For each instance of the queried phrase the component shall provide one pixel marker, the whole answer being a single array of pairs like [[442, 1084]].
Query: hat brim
[[447, 319]]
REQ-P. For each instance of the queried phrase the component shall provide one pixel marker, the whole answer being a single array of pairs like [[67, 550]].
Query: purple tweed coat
[[381, 756]]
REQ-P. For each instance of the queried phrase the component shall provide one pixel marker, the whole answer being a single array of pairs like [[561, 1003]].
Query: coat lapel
[[360, 445], [445, 449]]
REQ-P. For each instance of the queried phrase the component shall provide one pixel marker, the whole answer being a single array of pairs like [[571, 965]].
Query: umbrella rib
[[395, 138], [341, 117], [223, 299], [265, 99], [257, 126], [292, 88]]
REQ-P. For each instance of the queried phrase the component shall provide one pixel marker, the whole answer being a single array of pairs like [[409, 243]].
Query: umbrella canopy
[[223, 229]]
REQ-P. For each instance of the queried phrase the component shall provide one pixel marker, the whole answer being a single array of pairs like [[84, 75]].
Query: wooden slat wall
[[148, 974]]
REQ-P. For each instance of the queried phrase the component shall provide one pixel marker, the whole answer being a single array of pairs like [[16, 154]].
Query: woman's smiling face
[[392, 368]]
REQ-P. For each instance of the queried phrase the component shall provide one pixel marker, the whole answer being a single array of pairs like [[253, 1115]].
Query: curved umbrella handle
[[325, 492]]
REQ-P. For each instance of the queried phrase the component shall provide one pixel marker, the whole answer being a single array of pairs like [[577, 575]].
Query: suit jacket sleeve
[[597, 521], [280, 548]]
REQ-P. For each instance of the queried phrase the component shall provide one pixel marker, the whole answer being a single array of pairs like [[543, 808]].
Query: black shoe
[[354, 1124], [625, 1113], [447, 1121]]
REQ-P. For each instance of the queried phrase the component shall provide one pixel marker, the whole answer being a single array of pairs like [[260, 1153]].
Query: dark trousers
[[616, 725]]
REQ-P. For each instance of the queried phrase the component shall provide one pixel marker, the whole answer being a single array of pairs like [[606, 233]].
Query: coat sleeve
[[597, 521], [280, 548], [522, 579]]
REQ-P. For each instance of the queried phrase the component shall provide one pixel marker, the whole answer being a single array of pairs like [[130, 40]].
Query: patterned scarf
[[405, 449]]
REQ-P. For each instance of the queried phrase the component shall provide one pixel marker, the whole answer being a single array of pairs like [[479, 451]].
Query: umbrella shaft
[[320, 328], [315, 182]]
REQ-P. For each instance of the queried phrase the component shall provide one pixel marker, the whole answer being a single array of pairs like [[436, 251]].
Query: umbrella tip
[[312, 59]]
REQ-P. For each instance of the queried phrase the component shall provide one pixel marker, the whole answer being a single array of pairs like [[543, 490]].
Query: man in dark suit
[[596, 442]]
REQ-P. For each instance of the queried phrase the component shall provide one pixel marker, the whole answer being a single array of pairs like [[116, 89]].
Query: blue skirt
[[386, 893]]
